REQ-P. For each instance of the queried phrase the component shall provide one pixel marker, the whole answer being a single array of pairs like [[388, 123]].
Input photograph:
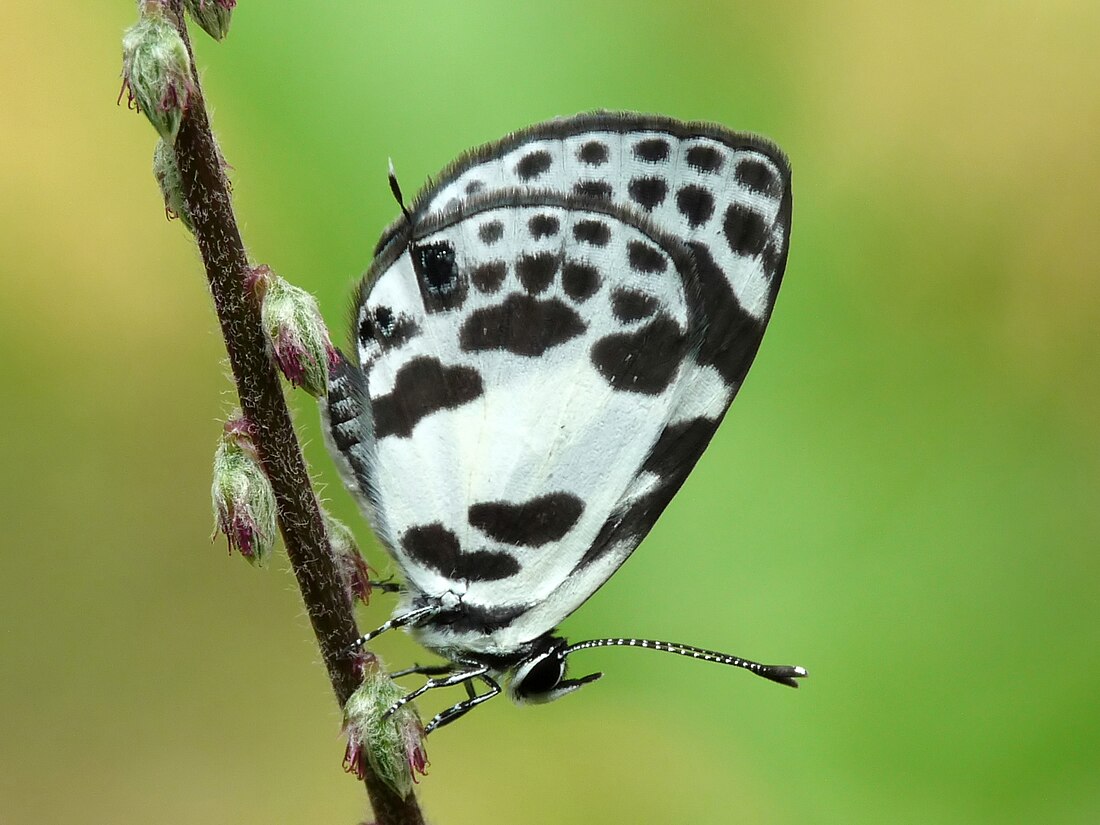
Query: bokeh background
[[904, 497]]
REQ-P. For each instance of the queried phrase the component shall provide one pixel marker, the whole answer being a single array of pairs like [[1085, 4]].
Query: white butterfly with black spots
[[545, 344]]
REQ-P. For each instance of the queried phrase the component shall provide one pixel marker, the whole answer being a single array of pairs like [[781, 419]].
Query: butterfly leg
[[453, 678], [423, 670], [387, 585], [412, 617], [450, 714]]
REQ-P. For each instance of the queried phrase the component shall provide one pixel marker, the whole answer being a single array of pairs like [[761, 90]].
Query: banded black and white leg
[[405, 619], [422, 670], [464, 677], [450, 679], [460, 709]]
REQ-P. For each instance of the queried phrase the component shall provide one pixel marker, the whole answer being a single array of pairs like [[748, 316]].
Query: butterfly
[[545, 343]]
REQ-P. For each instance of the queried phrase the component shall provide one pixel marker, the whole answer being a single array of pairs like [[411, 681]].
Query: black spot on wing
[[745, 230], [596, 233], [543, 226], [488, 277], [651, 150], [644, 361], [423, 386], [645, 258], [593, 153], [530, 523], [598, 189], [630, 305], [704, 158], [756, 175], [696, 204], [521, 325], [536, 272], [441, 285], [648, 193], [388, 329], [474, 186], [580, 280], [533, 164], [490, 232], [437, 548]]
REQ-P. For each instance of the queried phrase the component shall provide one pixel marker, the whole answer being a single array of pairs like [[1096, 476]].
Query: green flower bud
[[244, 503], [349, 561], [156, 69], [394, 747], [299, 338], [212, 15], [168, 178]]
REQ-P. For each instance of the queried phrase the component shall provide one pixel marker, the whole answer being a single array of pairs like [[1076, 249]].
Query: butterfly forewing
[[728, 193]]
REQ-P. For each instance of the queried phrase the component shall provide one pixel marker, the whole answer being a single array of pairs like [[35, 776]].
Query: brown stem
[[210, 208]]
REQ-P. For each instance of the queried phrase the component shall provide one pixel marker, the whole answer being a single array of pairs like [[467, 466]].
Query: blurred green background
[[904, 497]]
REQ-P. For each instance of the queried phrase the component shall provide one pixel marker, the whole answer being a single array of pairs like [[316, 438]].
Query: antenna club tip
[[389, 164], [784, 674]]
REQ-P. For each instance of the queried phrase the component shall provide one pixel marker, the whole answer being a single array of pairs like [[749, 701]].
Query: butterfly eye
[[540, 677], [435, 264]]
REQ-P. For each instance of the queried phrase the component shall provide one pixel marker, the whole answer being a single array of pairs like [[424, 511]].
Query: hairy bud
[[212, 15], [156, 69], [349, 561], [393, 747], [298, 336], [244, 503]]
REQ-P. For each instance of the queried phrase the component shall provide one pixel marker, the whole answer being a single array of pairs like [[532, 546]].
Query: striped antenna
[[783, 674]]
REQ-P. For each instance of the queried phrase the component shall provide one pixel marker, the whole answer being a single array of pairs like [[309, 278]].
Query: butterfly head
[[540, 676]]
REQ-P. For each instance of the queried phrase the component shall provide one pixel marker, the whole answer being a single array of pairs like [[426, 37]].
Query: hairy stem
[[211, 210]]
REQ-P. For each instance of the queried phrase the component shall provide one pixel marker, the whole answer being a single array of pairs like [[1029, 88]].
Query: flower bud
[[156, 69], [394, 747], [349, 561], [212, 15], [296, 330], [244, 503], [168, 178]]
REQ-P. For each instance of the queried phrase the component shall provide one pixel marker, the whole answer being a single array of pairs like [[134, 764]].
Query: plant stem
[[210, 208]]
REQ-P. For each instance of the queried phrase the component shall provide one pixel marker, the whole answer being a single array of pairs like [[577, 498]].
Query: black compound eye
[[435, 264], [543, 676]]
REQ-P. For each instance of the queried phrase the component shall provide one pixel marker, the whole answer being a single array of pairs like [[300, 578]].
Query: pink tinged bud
[[212, 15], [416, 756], [244, 503], [349, 561], [156, 70], [394, 746], [296, 331]]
